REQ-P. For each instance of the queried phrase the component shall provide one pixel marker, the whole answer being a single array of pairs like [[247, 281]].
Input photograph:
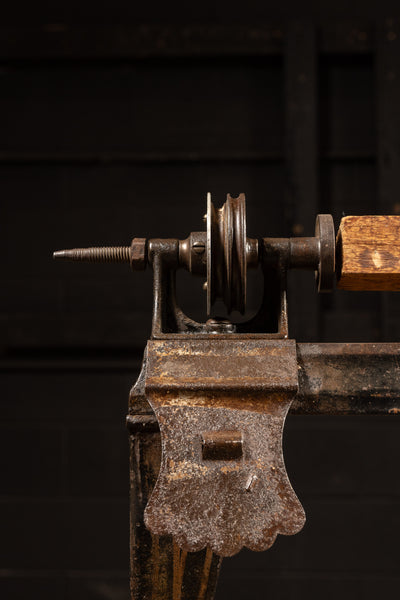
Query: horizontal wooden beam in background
[[121, 158], [146, 158], [53, 41]]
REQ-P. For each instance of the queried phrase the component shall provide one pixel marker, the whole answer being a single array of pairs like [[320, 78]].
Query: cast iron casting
[[221, 391]]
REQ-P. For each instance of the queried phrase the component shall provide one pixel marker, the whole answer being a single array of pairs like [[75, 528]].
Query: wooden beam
[[368, 251], [97, 42], [347, 37], [139, 158], [64, 41]]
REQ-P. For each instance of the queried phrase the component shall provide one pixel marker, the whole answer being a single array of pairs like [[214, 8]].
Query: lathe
[[207, 413]]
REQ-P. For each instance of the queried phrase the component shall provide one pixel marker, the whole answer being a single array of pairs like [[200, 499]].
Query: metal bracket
[[221, 405]]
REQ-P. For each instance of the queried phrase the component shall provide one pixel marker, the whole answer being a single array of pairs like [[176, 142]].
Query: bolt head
[[198, 247]]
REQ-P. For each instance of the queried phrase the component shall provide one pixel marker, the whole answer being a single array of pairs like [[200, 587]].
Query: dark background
[[115, 120]]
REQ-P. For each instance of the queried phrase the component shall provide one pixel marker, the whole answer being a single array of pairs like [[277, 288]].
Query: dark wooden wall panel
[[387, 78], [346, 106], [111, 131], [64, 502], [198, 107], [301, 154]]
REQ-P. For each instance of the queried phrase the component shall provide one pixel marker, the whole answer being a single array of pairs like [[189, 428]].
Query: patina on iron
[[221, 391], [237, 494]]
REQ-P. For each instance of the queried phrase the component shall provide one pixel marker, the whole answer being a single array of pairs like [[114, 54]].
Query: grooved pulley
[[226, 253]]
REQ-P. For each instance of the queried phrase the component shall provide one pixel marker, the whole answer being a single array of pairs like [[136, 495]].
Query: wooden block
[[368, 253]]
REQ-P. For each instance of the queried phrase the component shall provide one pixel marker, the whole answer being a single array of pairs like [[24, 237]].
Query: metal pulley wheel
[[325, 233], [226, 253]]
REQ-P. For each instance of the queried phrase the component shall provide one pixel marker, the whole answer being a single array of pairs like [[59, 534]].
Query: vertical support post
[[301, 151], [160, 570], [388, 144]]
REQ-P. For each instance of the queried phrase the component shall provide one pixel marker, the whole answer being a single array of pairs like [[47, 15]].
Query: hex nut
[[138, 254]]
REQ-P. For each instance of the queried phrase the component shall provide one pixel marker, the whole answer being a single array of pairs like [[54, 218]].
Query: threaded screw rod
[[117, 254]]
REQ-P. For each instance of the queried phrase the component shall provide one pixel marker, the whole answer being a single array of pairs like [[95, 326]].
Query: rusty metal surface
[[138, 254], [222, 445], [316, 253], [220, 393], [226, 386], [334, 379], [348, 379], [325, 233], [227, 253], [159, 569], [222, 365]]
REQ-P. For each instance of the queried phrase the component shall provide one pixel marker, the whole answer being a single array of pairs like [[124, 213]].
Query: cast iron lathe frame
[[215, 480]]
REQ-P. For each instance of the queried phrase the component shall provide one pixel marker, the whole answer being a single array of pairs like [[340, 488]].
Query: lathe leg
[[160, 570]]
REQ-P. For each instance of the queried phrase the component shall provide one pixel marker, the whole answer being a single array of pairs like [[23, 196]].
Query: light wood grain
[[368, 253]]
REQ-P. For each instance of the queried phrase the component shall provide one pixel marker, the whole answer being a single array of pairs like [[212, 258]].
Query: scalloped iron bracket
[[221, 405]]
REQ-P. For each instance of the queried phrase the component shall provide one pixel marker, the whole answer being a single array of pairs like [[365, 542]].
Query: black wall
[[114, 130]]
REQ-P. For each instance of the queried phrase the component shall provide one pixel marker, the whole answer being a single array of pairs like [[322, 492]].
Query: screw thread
[[120, 254]]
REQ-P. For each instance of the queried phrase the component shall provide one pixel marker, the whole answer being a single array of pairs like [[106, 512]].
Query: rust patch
[[227, 502], [222, 445]]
